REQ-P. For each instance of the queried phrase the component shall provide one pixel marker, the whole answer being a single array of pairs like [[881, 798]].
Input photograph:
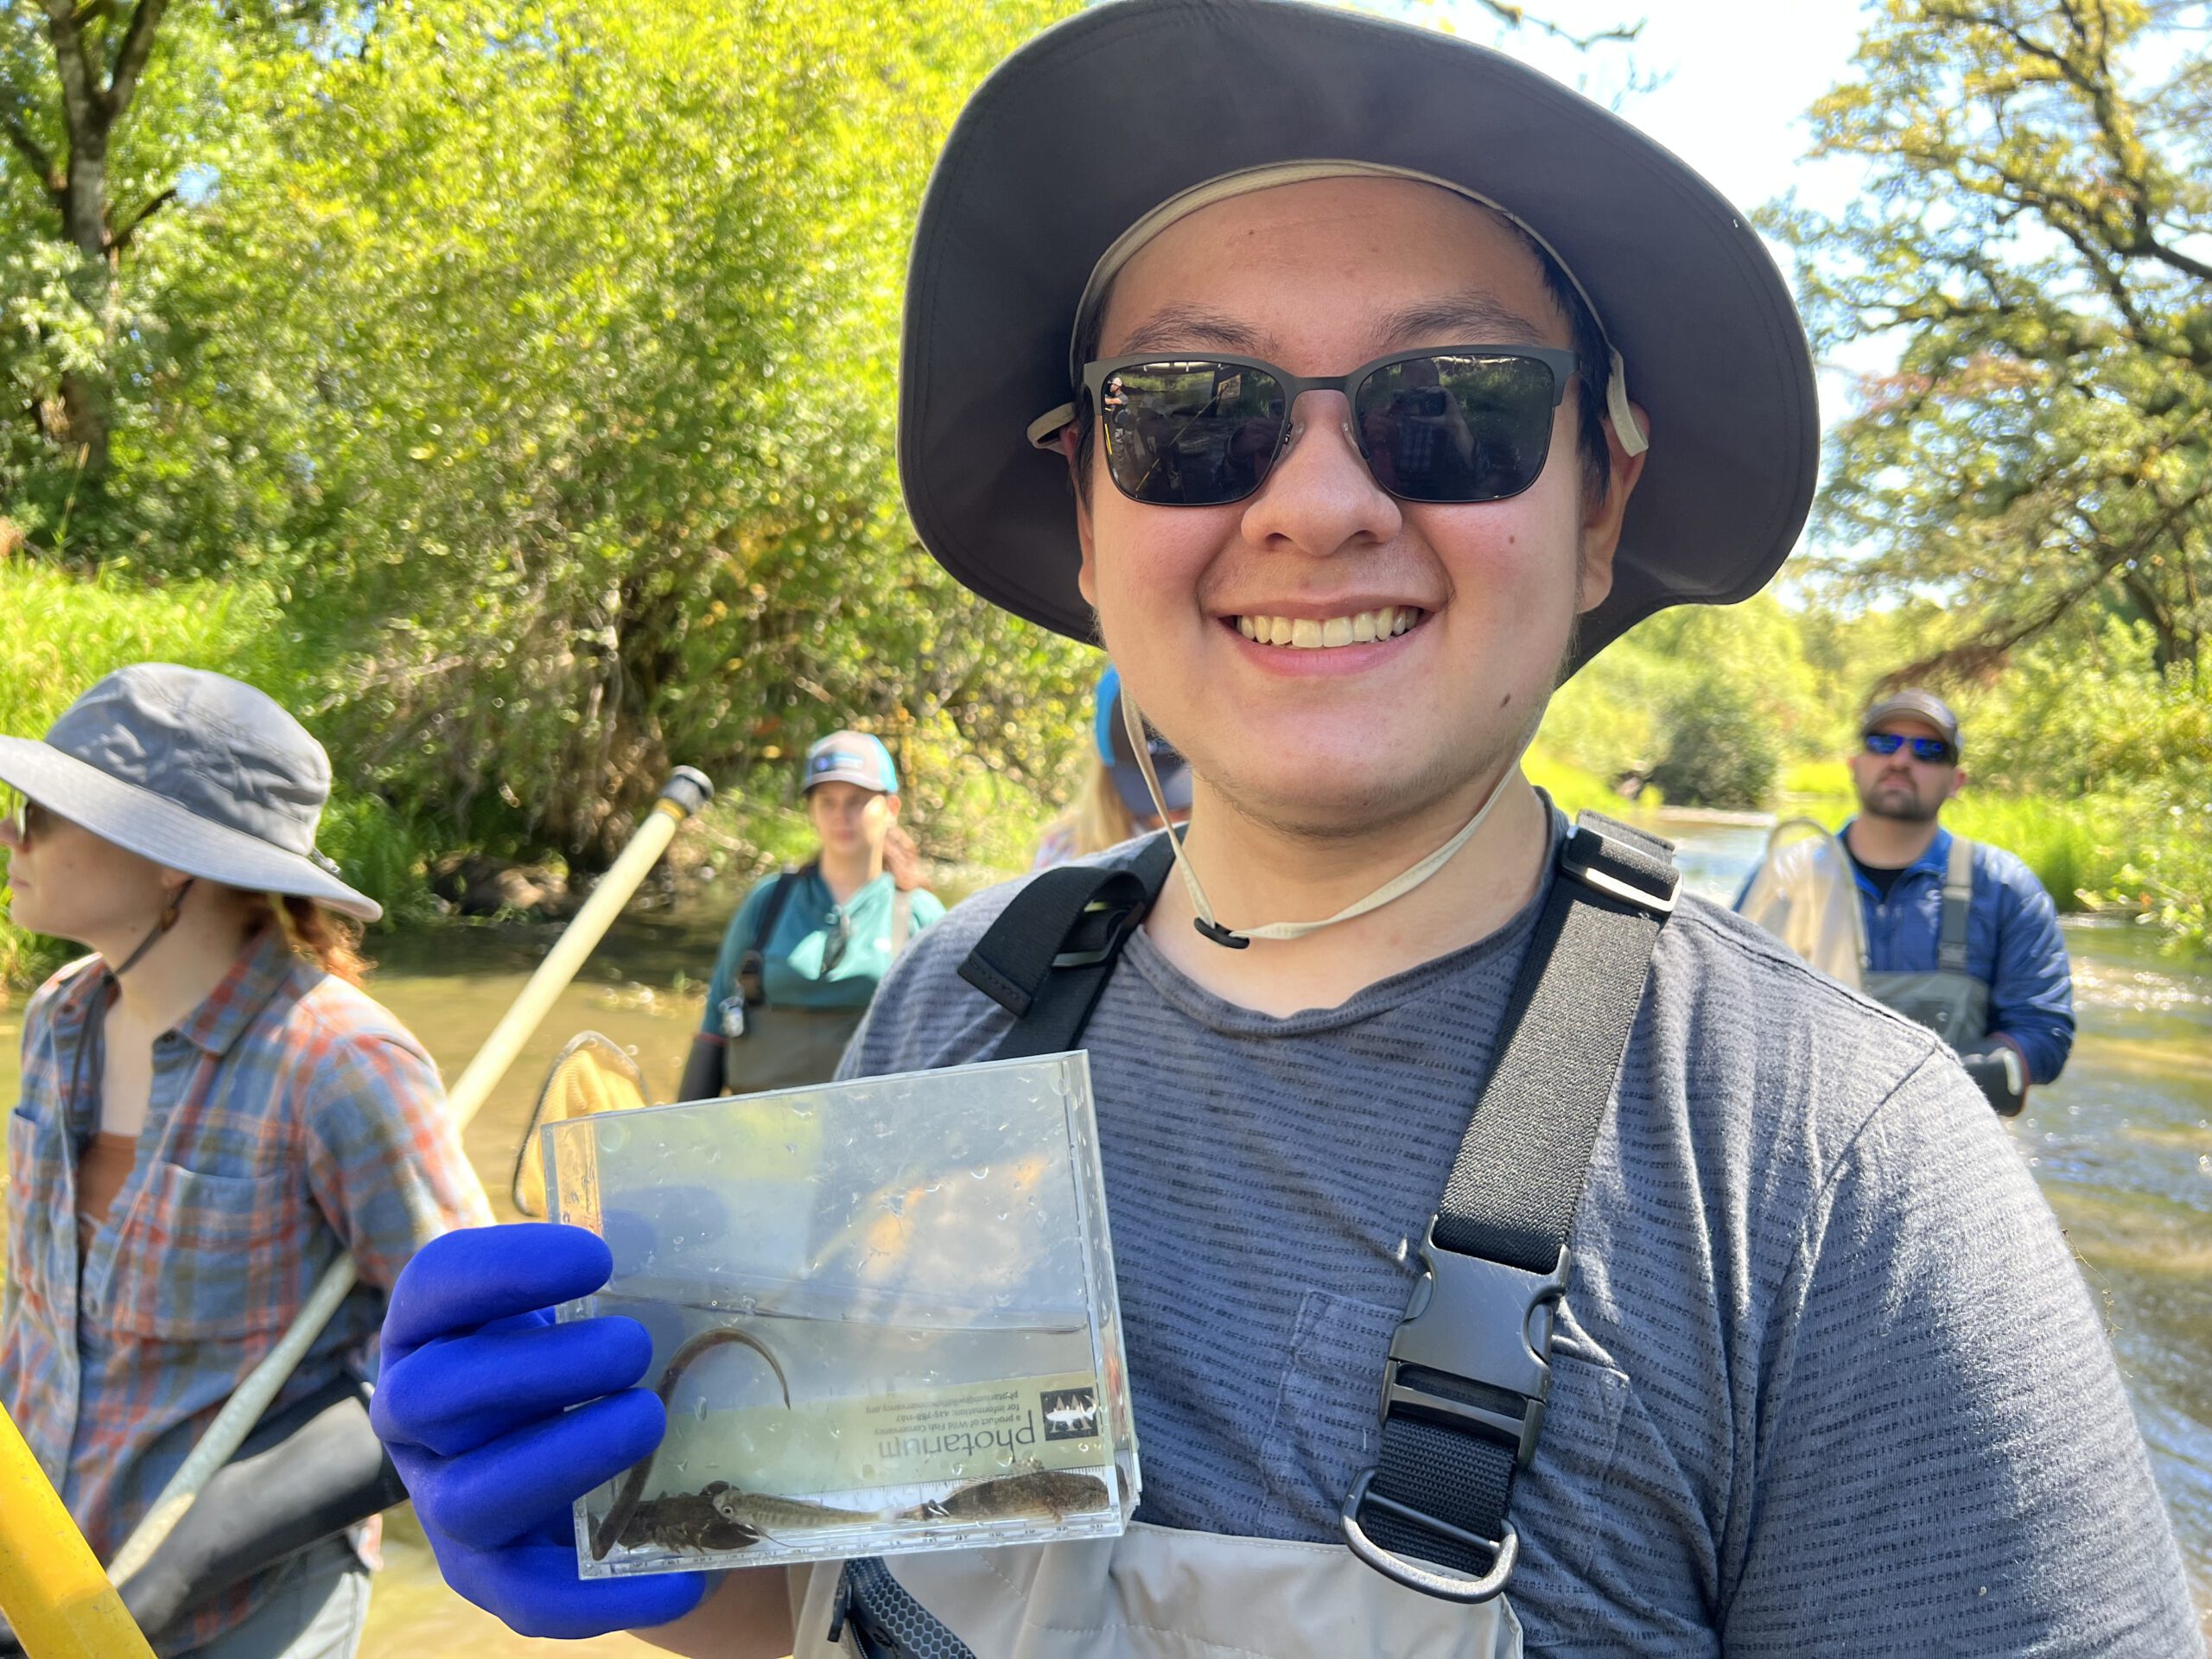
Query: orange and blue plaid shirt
[[292, 1118]]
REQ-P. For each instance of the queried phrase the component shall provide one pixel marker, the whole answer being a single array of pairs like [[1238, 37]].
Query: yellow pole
[[51, 1587]]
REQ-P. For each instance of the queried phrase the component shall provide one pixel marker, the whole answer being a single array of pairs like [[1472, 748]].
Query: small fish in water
[[1057, 1492], [767, 1515], [621, 1515], [687, 1520]]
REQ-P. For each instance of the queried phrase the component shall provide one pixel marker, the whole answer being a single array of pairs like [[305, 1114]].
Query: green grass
[[1573, 790], [64, 630]]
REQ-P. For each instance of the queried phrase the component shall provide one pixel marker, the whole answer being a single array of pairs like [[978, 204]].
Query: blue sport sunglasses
[[1934, 750]]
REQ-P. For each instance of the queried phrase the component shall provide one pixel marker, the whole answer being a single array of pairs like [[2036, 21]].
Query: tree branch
[[1518, 17], [33, 152], [121, 239], [130, 61], [81, 100]]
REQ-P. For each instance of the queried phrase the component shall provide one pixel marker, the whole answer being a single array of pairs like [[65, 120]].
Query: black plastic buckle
[[1580, 857], [1474, 1353], [1120, 919]]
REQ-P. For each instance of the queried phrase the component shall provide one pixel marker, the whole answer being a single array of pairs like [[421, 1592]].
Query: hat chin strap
[[1239, 938], [170, 910]]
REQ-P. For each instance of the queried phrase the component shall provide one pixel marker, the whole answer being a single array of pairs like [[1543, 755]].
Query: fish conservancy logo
[[1070, 1413]]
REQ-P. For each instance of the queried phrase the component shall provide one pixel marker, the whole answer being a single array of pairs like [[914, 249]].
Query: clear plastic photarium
[[882, 1312]]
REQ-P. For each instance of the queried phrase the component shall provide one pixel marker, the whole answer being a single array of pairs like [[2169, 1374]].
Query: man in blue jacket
[[1959, 936]]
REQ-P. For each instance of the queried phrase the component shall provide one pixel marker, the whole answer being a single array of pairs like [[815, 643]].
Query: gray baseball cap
[[1167, 96], [197, 771], [1914, 704]]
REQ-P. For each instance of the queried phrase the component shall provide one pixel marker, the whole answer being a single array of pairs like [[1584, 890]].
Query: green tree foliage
[[543, 359], [1702, 704], [2034, 234]]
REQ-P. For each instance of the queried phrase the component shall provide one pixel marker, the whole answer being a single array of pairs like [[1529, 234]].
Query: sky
[[1735, 79]]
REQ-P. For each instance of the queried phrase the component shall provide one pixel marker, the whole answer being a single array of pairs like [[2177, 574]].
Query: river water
[[2121, 1145]]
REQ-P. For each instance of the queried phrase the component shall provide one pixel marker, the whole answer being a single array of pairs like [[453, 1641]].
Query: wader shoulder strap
[[1048, 957], [1469, 1372], [1958, 905], [753, 963], [779, 898]]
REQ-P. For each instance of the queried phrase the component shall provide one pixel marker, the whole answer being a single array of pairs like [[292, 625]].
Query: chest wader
[[1468, 1372], [771, 1046], [1949, 1001]]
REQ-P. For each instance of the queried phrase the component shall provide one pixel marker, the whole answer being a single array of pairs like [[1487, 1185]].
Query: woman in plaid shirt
[[212, 1110]]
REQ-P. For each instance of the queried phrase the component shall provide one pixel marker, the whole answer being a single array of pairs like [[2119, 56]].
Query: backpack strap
[[1469, 1370], [1048, 957], [902, 918], [751, 966], [1958, 905]]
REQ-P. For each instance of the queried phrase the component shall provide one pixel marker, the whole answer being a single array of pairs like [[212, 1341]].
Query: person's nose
[[1319, 497]]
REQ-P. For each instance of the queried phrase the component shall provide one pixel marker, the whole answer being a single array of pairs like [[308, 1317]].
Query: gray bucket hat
[[196, 770], [1015, 219]]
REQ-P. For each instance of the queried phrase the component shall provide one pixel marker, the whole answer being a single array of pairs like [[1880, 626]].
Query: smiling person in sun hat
[[1352, 385], [211, 1112]]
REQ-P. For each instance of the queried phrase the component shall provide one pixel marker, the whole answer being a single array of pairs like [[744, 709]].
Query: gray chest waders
[[1468, 1372], [1949, 1001]]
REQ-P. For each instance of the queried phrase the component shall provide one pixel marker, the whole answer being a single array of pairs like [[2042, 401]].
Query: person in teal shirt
[[807, 948]]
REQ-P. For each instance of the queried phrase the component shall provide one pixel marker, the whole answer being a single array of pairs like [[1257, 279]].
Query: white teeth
[[1321, 634]]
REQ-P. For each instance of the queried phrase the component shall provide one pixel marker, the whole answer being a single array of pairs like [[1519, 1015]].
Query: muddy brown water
[[2122, 1146]]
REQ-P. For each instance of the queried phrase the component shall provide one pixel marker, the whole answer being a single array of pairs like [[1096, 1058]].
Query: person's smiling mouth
[[1350, 628]]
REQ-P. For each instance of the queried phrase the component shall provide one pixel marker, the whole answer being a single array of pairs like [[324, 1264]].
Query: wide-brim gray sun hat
[[1100, 120], [196, 770]]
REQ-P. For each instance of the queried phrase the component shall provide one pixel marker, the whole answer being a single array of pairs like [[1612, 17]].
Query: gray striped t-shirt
[[1829, 1382]]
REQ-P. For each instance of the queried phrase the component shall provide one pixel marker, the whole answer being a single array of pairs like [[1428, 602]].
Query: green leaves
[[547, 359], [2032, 237]]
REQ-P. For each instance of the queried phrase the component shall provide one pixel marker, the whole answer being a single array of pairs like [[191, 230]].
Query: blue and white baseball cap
[[852, 757]]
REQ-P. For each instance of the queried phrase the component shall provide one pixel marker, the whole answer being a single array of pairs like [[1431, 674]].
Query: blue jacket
[[2012, 942]]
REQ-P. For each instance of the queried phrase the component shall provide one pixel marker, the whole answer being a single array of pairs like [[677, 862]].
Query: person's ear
[[1601, 522], [891, 808], [1086, 575]]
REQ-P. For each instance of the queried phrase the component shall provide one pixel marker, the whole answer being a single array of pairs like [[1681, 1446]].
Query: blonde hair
[[327, 939], [1099, 818]]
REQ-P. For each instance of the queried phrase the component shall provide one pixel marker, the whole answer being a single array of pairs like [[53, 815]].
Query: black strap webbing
[[779, 898], [1048, 957], [1465, 1397]]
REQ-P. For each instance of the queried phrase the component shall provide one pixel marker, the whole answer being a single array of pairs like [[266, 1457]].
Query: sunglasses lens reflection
[[1457, 426], [1190, 434]]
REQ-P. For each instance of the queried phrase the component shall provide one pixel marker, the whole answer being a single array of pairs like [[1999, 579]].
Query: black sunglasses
[[1464, 423], [1933, 750]]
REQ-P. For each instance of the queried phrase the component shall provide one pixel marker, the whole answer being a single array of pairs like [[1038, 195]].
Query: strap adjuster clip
[[1473, 1353], [1474, 1348], [1119, 921], [1580, 857]]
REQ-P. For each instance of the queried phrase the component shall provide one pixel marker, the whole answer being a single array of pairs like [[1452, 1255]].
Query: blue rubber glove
[[473, 1402]]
